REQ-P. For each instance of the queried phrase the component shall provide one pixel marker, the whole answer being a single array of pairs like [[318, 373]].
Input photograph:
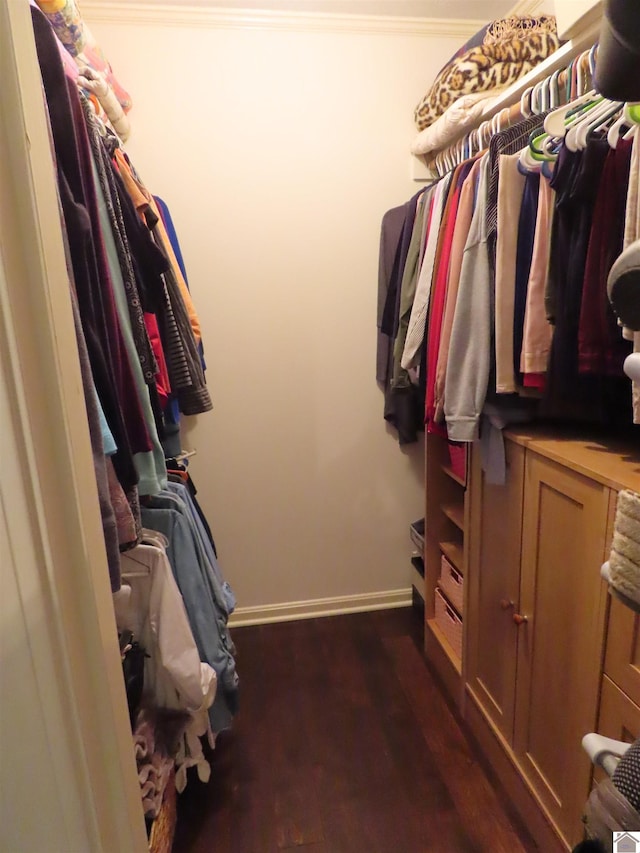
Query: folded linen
[[624, 561], [453, 122]]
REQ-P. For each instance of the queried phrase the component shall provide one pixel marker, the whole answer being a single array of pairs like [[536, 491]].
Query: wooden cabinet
[[619, 716], [535, 621], [560, 643], [622, 662], [494, 589]]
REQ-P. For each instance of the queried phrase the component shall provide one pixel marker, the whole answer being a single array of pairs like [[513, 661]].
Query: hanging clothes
[[524, 256], [510, 315], [511, 182], [537, 332], [460, 237], [139, 344], [402, 406], [203, 596], [440, 290]]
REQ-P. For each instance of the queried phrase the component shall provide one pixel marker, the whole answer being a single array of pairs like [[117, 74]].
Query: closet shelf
[[455, 513], [452, 475], [445, 645], [454, 553]]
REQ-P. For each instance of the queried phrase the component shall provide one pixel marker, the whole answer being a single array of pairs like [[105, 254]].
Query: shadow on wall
[[414, 453]]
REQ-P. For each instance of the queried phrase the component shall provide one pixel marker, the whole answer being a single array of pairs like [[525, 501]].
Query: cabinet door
[[560, 644], [494, 585], [619, 716], [622, 663]]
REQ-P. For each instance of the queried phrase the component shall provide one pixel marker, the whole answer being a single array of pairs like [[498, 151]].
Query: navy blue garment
[[171, 234], [402, 406], [524, 254], [175, 245], [576, 179]]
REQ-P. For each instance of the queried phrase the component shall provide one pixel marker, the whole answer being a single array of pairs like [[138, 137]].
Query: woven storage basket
[[452, 583], [449, 623], [164, 826]]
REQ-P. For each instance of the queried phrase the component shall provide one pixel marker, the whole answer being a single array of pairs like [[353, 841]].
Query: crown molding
[[529, 7], [193, 16]]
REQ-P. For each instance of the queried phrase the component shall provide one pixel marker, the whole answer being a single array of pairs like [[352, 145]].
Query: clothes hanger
[[527, 161], [630, 119], [131, 555], [525, 102], [618, 129], [557, 121], [554, 89], [587, 130], [632, 111], [590, 121], [593, 56], [504, 119]]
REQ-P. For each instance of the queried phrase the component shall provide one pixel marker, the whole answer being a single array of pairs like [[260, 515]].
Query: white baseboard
[[292, 610]]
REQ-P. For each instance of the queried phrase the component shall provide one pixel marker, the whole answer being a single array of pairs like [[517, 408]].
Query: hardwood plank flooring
[[343, 744]]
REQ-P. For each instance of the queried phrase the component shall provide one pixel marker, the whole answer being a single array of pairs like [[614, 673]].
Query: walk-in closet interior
[[313, 308]]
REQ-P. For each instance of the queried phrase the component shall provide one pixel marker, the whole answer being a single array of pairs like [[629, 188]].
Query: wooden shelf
[[452, 475], [455, 513], [454, 553], [454, 660]]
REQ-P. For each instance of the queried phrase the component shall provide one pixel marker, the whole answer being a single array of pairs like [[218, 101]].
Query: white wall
[[278, 153]]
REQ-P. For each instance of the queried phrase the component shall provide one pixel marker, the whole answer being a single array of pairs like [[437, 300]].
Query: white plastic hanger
[[630, 118], [525, 102], [586, 124], [556, 122], [588, 128]]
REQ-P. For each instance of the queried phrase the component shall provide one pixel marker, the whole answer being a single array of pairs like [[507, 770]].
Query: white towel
[[624, 562]]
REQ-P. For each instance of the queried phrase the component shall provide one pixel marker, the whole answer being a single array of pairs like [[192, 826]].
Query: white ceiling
[[481, 10]]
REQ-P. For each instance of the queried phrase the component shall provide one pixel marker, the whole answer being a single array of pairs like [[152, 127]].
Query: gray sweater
[[469, 351]]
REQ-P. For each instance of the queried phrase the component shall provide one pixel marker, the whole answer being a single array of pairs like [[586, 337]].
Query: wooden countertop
[[614, 462]]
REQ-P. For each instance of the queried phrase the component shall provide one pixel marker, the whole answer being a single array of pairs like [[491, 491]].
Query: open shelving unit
[[446, 522]]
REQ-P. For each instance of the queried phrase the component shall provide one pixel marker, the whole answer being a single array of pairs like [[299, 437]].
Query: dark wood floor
[[344, 744]]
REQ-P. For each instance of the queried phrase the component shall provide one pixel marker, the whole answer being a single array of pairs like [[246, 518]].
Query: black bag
[[133, 655]]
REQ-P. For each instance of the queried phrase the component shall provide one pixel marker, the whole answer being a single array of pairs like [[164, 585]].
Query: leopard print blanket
[[510, 49]]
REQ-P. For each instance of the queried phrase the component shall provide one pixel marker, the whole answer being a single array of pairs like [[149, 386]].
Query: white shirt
[[151, 607]]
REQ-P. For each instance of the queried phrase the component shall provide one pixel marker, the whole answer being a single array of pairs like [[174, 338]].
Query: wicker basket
[[164, 826], [449, 623], [452, 584]]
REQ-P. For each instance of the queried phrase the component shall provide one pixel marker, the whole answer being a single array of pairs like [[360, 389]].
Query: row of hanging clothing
[[142, 367], [492, 293]]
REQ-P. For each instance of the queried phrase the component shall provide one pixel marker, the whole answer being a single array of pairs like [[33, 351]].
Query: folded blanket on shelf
[[510, 48], [624, 561], [453, 122]]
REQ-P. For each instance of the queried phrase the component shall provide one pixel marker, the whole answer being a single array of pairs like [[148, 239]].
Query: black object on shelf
[[418, 563]]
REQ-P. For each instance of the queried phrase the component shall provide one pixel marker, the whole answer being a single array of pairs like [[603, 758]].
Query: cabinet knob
[[505, 604], [519, 619]]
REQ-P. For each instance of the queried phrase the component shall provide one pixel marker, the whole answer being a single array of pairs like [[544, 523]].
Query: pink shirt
[[460, 234]]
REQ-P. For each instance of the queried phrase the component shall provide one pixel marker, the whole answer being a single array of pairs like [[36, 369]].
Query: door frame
[[48, 493]]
